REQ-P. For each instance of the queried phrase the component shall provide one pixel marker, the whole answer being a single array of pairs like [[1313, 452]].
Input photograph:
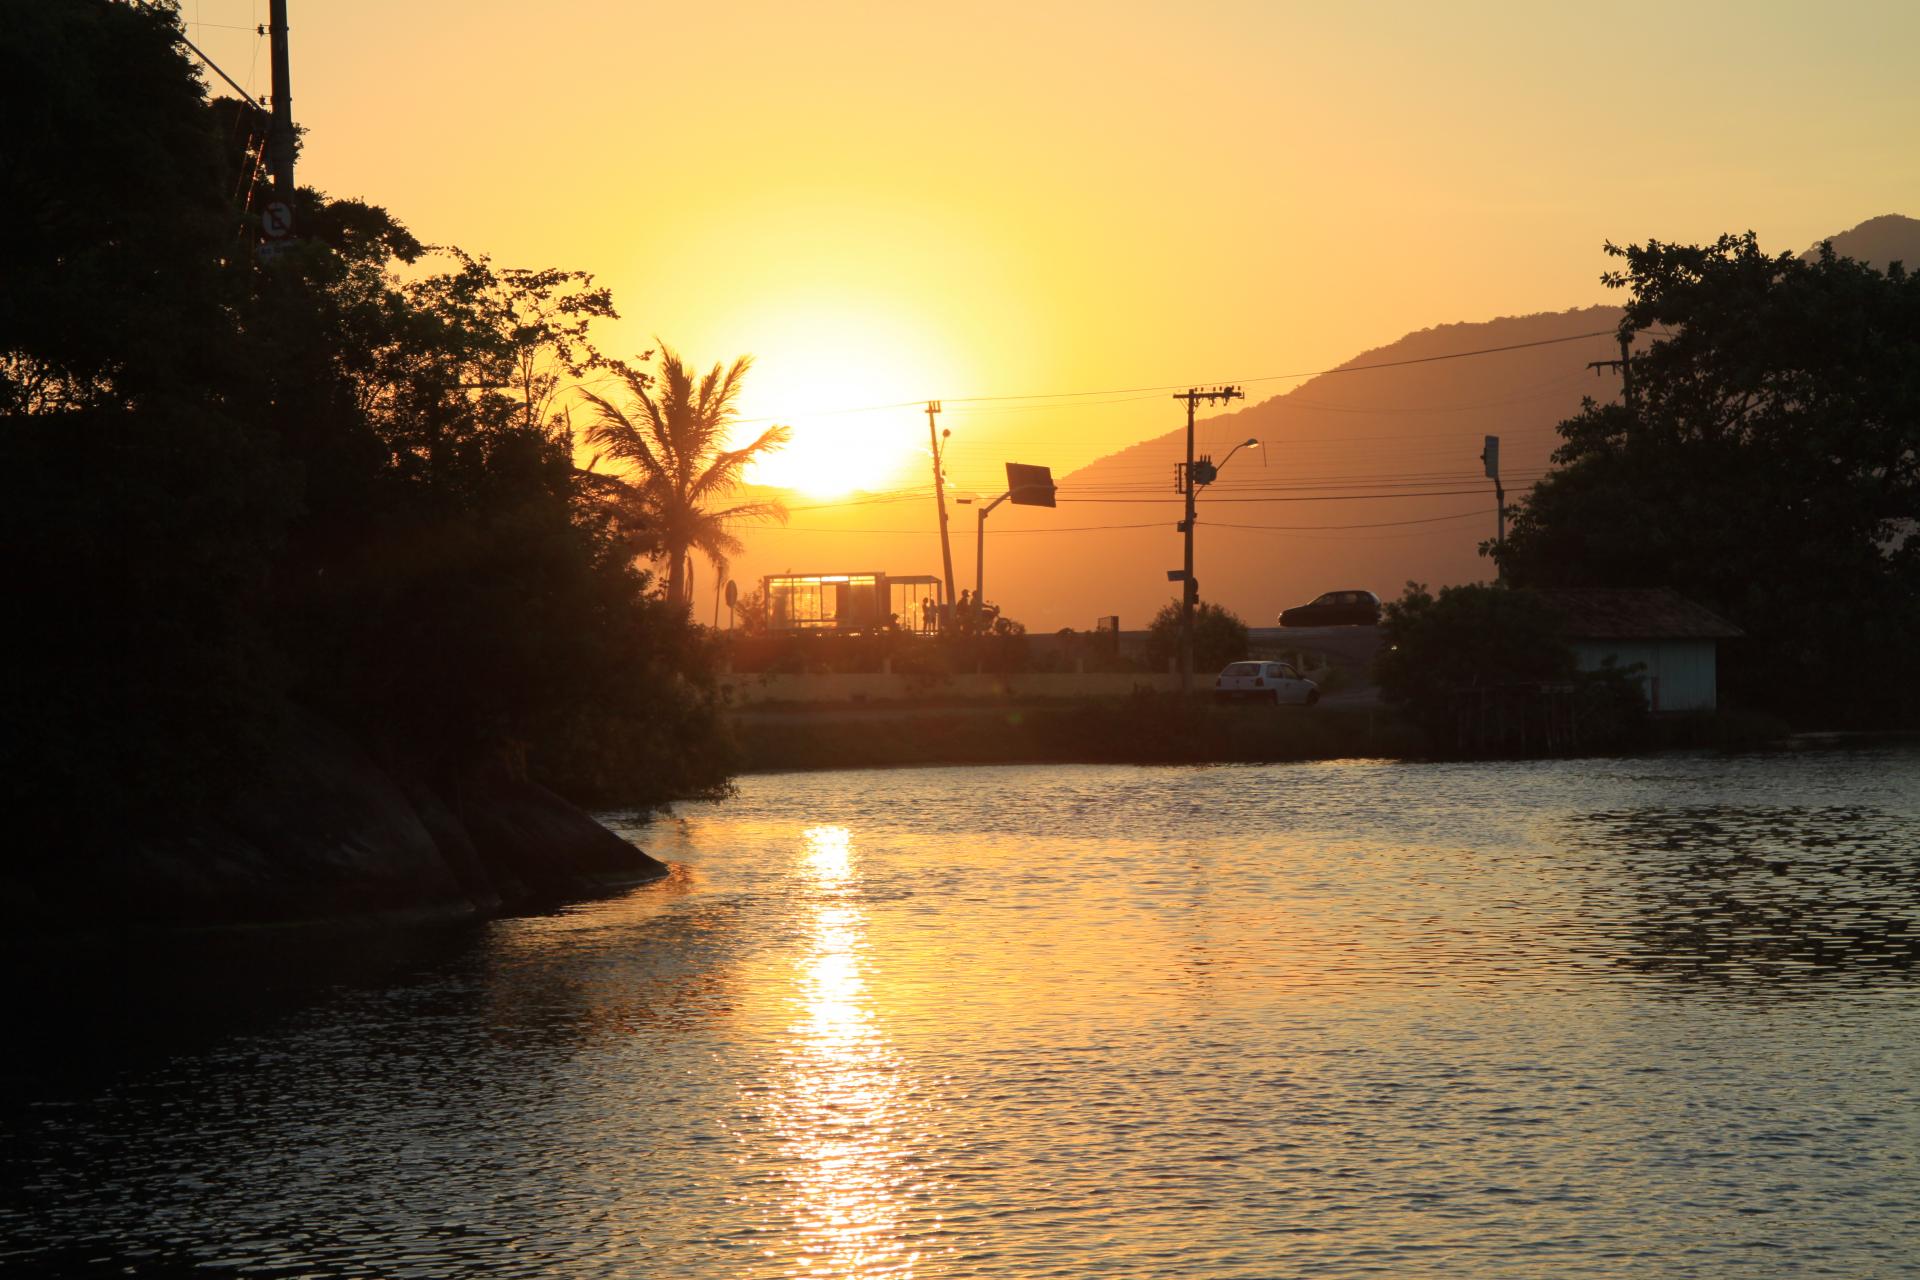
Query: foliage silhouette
[[342, 482], [1442, 655], [1219, 637], [1769, 468], [670, 440]]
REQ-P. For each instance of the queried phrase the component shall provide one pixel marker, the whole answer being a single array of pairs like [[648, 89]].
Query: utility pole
[[1189, 589], [1625, 365], [280, 134], [940, 500], [1490, 458]]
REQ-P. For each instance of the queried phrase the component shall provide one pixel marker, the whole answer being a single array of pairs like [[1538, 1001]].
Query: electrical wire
[[1333, 497], [1161, 524], [1269, 377]]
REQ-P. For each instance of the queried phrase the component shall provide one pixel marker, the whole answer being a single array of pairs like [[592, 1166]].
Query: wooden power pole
[[281, 135], [1625, 365], [1490, 459], [1190, 589], [940, 500], [280, 142]]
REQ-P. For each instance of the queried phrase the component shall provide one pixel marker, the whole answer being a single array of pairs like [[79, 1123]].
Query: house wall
[[1681, 675]]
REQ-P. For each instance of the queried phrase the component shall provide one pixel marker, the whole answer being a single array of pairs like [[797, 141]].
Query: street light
[[1248, 443]]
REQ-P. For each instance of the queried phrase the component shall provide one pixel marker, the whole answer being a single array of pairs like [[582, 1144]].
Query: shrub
[[1219, 636]]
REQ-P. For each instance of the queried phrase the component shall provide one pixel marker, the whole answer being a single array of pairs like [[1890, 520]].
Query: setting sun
[[848, 379]]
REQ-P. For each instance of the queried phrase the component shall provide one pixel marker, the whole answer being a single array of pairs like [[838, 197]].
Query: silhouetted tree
[[141, 514], [670, 441], [340, 483], [1219, 636], [1467, 635], [1769, 468], [1438, 652]]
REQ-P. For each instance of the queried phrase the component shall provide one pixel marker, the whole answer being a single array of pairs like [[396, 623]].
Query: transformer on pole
[[1189, 484]]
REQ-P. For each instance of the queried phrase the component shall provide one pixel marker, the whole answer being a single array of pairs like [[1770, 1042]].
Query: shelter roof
[[1624, 613]]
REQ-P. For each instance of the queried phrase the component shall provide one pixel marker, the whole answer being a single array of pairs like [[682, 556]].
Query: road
[[1351, 647]]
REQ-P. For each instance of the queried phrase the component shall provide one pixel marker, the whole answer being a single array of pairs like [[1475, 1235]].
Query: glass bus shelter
[[853, 602]]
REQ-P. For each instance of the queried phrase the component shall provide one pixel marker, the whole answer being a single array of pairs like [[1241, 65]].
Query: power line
[[1376, 524], [1385, 481], [1333, 497], [902, 495], [1174, 386], [1323, 490], [1159, 524], [1085, 528]]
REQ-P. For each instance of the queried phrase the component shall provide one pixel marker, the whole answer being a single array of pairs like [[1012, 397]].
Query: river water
[[1651, 1017]]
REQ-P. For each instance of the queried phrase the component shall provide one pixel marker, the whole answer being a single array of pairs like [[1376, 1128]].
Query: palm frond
[[771, 509], [614, 434], [717, 544], [722, 475], [720, 390]]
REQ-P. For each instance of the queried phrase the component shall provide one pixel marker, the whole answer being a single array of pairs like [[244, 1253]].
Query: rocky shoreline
[[325, 836]]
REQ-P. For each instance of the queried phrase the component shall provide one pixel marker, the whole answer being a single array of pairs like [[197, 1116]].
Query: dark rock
[[321, 833], [526, 833]]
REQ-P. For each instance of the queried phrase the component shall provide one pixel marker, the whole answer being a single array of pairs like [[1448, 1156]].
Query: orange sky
[[888, 202]]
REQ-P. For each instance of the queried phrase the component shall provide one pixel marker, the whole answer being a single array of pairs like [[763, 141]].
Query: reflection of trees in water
[[605, 971], [1775, 897]]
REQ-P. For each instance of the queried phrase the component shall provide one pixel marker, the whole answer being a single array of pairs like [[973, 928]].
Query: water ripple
[[1589, 1018]]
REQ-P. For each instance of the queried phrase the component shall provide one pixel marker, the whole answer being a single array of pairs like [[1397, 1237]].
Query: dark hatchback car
[[1336, 609]]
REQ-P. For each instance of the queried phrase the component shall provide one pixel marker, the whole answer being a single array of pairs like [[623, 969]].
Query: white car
[[1274, 682]]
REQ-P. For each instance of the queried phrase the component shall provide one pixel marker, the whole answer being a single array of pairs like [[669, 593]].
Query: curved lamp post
[[1248, 443]]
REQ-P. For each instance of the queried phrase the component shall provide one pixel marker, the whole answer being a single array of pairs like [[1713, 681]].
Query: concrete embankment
[[1147, 729]]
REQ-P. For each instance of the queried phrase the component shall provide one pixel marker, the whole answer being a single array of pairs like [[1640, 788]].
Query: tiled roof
[[1619, 613]]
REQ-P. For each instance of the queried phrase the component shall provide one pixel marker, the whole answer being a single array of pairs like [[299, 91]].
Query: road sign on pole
[[1490, 455], [1029, 486]]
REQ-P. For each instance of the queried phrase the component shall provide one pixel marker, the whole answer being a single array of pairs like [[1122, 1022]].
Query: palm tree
[[669, 441]]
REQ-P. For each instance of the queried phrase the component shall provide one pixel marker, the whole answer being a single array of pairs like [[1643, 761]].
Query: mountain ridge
[[1394, 448], [1367, 478]]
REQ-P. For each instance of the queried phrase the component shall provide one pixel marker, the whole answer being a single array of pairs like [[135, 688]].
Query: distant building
[[1675, 640]]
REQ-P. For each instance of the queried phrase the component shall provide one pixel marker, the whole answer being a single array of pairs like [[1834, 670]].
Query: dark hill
[[1391, 454], [1886, 239], [1394, 451]]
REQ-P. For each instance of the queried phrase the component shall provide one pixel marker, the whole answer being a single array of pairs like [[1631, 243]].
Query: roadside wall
[[748, 690]]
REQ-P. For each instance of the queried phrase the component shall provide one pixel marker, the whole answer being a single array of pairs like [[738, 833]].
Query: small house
[[1675, 641]]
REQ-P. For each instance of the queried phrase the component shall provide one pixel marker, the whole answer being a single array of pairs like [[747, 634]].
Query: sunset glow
[[886, 207], [826, 372]]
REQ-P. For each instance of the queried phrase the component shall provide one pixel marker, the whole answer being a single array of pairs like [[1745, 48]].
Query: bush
[[1483, 667], [1219, 636]]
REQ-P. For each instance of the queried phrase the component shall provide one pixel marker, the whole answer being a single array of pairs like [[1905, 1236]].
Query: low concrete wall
[[748, 689]]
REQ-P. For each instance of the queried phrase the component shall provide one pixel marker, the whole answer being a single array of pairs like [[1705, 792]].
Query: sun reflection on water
[[840, 1108]]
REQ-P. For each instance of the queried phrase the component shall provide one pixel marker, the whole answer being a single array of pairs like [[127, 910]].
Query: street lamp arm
[[1222, 465]]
